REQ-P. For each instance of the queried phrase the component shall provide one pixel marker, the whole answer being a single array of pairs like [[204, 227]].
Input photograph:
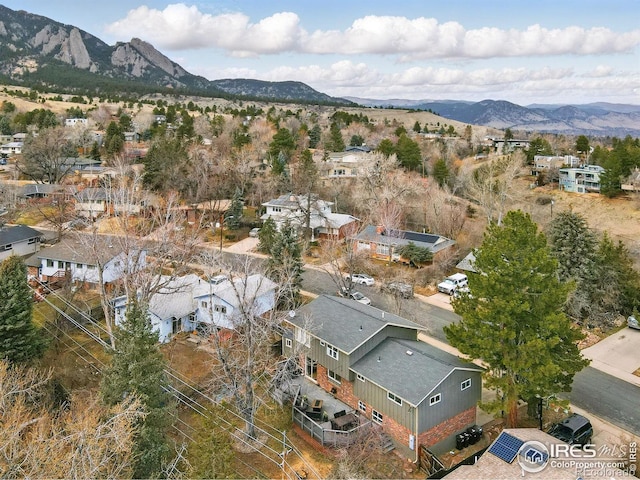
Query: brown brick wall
[[448, 428]]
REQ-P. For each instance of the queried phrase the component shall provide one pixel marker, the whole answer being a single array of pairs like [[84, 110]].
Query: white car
[[253, 233], [450, 284], [361, 279], [358, 297]]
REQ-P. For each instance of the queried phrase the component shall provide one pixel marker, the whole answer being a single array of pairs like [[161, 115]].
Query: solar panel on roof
[[506, 447]]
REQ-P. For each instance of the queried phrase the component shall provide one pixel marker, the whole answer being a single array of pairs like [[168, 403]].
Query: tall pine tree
[[513, 320], [137, 368], [285, 266], [20, 340]]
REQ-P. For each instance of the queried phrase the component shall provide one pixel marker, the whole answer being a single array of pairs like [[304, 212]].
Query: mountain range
[[37, 51]]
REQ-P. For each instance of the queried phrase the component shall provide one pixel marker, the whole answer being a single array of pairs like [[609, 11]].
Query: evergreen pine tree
[[513, 319], [233, 216], [20, 341], [267, 235], [285, 266], [137, 367]]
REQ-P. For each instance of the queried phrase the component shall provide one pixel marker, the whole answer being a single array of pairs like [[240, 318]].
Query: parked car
[[361, 279], [450, 284], [632, 322], [401, 289], [574, 430], [357, 296], [253, 233]]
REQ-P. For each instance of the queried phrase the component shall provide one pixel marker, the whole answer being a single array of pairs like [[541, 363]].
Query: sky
[[533, 52]]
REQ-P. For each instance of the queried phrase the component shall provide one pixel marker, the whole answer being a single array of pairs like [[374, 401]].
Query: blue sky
[[542, 51]]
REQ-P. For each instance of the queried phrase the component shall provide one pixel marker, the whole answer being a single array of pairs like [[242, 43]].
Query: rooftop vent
[[409, 352]]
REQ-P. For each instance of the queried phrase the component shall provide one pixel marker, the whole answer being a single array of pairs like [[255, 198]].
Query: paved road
[[608, 397]]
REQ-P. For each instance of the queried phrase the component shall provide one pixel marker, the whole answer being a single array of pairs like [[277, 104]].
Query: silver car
[[361, 279]]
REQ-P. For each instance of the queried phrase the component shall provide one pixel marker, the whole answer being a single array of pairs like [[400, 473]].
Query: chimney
[[380, 229]]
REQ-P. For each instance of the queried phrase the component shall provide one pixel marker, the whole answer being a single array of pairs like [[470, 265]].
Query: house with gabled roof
[[373, 361], [383, 244], [189, 303], [295, 209], [80, 261], [19, 240]]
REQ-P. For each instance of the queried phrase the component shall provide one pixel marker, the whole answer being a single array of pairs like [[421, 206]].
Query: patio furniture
[[345, 422]]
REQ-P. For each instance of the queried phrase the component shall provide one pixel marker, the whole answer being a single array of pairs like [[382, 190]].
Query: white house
[[79, 261], [170, 309], [92, 202], [219, 305], [11, 148], [294, 208], [190, 304], [73, 122], [18, 240]]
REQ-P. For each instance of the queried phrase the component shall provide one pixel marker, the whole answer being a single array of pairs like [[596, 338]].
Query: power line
[[231, 429]]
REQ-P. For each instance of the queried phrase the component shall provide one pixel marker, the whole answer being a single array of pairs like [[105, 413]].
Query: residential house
[[188, 303], [92, 202], [632, 182], [18, 240], [545, 163], [32, 191], [20, 137], [295, 209], [373, 362], [80, 260], [75, 122], [351, 163], [582, 179], [11, 148], [500, 145], [383, 245]]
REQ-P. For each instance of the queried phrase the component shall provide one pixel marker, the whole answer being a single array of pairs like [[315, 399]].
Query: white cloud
[[180, 27]]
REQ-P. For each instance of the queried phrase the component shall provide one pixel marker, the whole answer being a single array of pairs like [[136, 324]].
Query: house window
[[332, 351], [204, 304], [220, 309], [91, 267], [362, 406], [277, 209], [435, 399], [287, 342], [466, 384], [50, 263], [303, 337], [394, 398], [8, 247], [382, 249], [31, 241], [79, 265], [360, 377], [334, 376], [376, 416], [60, 264]]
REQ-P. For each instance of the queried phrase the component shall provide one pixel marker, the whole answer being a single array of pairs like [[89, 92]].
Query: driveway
[[617, 355]]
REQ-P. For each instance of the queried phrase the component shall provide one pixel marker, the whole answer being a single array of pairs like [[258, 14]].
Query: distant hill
[[38, 51], [594, 119]]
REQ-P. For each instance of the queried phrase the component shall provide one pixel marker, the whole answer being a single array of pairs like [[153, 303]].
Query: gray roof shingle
[[389, 365], [17, 233], [345, 323]]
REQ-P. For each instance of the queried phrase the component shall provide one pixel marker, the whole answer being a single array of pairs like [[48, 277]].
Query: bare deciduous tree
[[82, 440], [491, 185]]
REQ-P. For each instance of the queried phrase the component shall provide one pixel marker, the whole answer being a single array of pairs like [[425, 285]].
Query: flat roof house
[[373, 361], [581, 179]]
